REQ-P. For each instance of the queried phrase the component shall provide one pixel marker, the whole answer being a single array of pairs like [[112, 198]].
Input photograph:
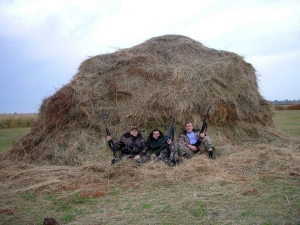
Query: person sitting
[[194, 143], [132, 145], [156, 144], [163, 148]]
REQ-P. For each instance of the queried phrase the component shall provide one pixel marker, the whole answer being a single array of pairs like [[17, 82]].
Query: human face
[[189, 127], [134, 132], [155, 134]]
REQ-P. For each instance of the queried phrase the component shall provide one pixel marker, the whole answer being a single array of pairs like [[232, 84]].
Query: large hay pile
[[141, 86]]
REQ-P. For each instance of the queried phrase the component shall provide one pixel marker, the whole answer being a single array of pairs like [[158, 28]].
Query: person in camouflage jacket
[[194, 143], [157, 145], [132, 145]]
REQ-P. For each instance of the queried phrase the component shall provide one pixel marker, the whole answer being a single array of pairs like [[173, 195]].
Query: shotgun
[[204, 125], [110, 142], [170, 134]]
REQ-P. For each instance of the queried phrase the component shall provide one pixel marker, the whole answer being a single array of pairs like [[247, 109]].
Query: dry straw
[[141, 86]]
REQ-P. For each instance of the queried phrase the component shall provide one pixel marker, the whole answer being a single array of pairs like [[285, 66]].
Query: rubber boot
[[114, 160], [172, 163], [211, 154]]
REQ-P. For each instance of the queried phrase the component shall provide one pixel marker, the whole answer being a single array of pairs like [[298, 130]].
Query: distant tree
[[285, 102]]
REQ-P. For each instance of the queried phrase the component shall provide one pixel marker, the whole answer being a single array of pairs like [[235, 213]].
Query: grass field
[[17, 120], [288, 121], [267, 201], [14, 126], [8, 136], [250, 184]]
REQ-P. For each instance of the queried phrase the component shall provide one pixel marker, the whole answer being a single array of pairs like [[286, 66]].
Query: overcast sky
[[43, 42]]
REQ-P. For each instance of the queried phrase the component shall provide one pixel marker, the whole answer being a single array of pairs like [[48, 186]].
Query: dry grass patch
[[248, 183]]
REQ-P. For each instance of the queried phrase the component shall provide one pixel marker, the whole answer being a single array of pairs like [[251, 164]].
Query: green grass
[[8, 136], [182, 203], [32, 207], [288, 121]]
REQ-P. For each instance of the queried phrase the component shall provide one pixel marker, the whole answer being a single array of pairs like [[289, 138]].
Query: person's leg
[[206, 145]]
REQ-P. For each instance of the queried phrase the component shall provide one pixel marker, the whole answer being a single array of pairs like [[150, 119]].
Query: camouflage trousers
[[205, 146], [165, 156], [176, 150], [142, 159]]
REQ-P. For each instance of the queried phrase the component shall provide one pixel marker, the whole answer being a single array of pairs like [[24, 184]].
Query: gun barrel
[[207, 114], [110, 142], [204, 125], [170, 134], [107, 131]]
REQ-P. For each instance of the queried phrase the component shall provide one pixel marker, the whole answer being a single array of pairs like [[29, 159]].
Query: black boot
[[211, 154], [172, 163], [114, 160]]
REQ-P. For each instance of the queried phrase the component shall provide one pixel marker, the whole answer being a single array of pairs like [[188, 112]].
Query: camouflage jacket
[[132, 145], [155, 146], [184, 140], [205, 143]]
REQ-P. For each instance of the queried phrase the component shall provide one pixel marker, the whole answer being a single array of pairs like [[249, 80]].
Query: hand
[[108, 138], [169, 141], [137, 157], [193, 148], [143, 152]]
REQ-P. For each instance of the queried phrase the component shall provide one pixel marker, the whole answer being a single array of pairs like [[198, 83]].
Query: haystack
[[141, 86]]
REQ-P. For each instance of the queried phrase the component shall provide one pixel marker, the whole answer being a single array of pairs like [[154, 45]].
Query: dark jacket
[[155, 146], [132, 145]]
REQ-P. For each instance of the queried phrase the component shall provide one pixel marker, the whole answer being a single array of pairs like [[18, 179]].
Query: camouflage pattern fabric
[[142, 159], [176, 150], [184, 141], [206, 143], [131, 146]]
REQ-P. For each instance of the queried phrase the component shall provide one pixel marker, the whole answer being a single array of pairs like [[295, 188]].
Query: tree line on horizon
[[285, 102]]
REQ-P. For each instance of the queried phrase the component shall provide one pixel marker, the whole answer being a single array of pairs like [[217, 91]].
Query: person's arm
[[148, 146], [161, 145], [143, 147], [120, 144], [182, 140]]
